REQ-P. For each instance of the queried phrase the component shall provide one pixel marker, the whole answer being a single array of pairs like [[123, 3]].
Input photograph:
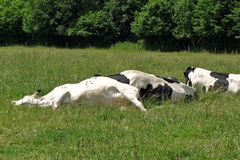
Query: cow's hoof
[[144, 110], [54, 108], [122, 108]]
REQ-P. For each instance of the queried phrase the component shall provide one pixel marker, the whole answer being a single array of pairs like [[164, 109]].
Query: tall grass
[[206, 128]]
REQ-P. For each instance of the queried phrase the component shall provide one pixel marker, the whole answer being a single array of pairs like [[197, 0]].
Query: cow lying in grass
[[209, 80], [154, 87], [96, 90]]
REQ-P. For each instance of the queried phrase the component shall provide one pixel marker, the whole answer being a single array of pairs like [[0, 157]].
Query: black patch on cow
[[221, 83], [188, 97], [167, 91], [186, 73], [171, 79], [120, 78], [204, 89], [219, 75], [146, 93], [161, 92], [189, 82], [210, 88]]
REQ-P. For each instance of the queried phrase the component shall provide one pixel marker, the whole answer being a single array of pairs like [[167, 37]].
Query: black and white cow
[[95, 90], [209, 80], [156, 87]]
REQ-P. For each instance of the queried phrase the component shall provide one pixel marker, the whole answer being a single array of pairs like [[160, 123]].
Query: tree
[[10, 16], [54, 17], [208, 18], [183, 20], [154, 20], [96, 25], [122, 12], [234, 19]]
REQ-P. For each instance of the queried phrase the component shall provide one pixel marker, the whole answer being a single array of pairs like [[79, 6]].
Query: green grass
[[207, 128]]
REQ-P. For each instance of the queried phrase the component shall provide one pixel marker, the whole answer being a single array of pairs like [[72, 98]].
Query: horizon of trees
[[157, 24]]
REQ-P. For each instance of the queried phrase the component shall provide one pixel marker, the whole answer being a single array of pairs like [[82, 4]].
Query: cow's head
[[26, 100], [187, 74]]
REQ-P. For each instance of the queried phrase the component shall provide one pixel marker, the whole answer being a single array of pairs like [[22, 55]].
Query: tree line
[[157, 24]]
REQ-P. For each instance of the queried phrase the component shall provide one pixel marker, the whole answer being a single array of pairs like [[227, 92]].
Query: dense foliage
[[181, 23], [10, 16], [95, 25]]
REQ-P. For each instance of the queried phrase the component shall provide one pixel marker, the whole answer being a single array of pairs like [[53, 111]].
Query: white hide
[[202, 78], [95, 90]]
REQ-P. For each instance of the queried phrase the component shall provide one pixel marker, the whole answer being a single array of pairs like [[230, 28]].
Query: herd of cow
[[134, 87]]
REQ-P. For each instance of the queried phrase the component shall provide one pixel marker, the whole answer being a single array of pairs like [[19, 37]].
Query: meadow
[[205, 128]]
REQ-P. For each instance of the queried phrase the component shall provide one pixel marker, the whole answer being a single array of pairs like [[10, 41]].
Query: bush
[[207, 18], [183, 19], [10, 16], [96, 25], [154, 20], [53, 17], [234, 19], [122, 12]]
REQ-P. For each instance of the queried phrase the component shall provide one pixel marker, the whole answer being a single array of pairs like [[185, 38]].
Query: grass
[[207, 128]]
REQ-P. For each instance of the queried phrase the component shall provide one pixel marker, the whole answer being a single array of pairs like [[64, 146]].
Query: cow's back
[[151, 85], [140, 79], [105, 85], [235, 77]]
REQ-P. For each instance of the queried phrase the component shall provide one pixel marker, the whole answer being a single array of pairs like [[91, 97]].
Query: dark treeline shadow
[[214, 45], [54, 41]]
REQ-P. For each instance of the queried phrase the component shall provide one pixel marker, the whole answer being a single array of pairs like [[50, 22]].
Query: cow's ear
[[36, 93], [189, 69]]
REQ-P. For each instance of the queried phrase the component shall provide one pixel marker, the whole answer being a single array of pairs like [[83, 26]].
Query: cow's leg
[[119, 99], [63, 98], [133, 98], [138, 104], [209, 88]]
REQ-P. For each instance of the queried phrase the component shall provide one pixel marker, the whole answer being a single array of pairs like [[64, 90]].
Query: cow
[[95, 90], [208, 80], [155, 87]]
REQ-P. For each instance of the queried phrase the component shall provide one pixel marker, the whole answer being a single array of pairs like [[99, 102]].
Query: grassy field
[[206, 128]]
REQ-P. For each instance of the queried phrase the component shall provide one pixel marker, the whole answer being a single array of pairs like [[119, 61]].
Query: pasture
[[206, 128]]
